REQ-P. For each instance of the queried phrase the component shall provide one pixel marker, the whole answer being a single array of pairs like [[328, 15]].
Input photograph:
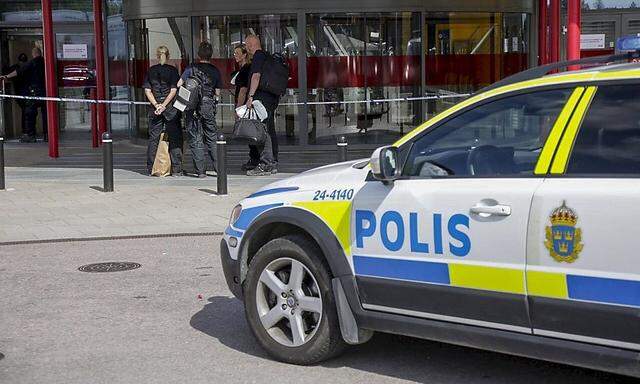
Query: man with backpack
[[264, 158], [204, 82]]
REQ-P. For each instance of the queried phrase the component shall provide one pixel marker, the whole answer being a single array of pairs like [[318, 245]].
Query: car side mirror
[[384, 164]]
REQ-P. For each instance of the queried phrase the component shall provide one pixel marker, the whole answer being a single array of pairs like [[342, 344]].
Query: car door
[[447, 241], [583, 268]]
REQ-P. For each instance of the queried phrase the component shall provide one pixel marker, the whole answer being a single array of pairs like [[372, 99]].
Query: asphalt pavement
[[173, 320]]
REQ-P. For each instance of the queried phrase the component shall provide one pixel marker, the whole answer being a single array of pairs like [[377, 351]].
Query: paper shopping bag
[[162, 162]]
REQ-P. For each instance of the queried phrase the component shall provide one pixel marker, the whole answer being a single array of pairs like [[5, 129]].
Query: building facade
[[400, 53]]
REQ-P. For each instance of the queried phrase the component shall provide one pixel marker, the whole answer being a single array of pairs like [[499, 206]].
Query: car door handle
[[491, 210]]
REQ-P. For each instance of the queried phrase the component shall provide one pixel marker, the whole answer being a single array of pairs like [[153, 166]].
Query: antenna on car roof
[[539, 71]]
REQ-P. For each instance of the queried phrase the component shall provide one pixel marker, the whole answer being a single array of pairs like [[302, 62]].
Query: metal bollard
[[2, 186], [342, 149], [221, 149], [107, 162]]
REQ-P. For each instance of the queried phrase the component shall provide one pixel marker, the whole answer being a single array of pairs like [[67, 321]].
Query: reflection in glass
[[278, 34], [467, 51], [353, 57], [117, 68]]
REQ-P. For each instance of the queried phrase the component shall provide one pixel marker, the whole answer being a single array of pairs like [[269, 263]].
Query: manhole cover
[[113, 266]]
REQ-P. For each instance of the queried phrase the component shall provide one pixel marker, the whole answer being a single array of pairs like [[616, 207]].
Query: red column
[[543, 34], [50, 76], [573, 35], [555, 31], [100, 78]]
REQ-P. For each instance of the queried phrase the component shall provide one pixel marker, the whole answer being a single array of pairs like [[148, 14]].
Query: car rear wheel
[[289, 303]]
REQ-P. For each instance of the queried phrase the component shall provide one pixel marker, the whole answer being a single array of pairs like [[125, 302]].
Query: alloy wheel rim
[[289, 302]]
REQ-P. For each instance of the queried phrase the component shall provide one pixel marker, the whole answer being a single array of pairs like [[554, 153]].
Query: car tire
[[308, 306]]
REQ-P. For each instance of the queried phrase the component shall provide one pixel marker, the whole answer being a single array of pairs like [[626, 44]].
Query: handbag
[[162, 162], [249, 131]]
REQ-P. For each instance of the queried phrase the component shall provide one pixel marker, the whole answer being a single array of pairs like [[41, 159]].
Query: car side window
[[497, 139], [608, 142]]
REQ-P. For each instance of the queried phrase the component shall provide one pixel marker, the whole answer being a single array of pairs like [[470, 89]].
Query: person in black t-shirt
[[240, 79], [201, 123], [265, 155], [160, 87], [32, 76]]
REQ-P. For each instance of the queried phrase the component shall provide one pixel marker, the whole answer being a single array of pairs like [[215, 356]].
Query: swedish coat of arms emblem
[[563, 238]]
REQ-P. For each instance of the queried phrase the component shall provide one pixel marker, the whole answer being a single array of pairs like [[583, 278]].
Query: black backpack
[[275, 75], [190, 93]]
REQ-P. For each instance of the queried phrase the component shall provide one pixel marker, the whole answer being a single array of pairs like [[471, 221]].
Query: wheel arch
[[281, 221]]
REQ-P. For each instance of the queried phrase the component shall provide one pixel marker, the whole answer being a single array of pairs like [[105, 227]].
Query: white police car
[[507, 222]]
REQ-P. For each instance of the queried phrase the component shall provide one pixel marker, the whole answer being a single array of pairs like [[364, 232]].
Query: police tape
[[130, 102]]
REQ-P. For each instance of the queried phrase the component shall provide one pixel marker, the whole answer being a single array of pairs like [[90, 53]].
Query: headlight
[[235, 213]]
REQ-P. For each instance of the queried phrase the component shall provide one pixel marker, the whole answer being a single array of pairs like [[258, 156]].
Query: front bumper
[[231, 270]]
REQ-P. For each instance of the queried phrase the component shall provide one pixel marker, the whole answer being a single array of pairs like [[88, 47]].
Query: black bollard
[[2, 186], [107, 162], [221, 149], [342, 149]]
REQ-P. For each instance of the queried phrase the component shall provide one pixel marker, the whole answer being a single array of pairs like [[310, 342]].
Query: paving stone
[[58, 203]]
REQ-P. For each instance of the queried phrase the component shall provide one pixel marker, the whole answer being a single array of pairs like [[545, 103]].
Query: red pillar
[[573, 35], [100, 78], [50, 76], [543, 34], [555, 31]]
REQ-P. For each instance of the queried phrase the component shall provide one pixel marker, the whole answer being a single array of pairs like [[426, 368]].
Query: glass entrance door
[[13, 43], [278, 34], [467, 51]]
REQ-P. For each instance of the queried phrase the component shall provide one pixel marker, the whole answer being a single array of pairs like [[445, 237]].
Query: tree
[[633, 5], [585, 5], [599, 4]]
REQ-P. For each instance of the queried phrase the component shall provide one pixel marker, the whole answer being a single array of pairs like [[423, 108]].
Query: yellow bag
[[162, 162]]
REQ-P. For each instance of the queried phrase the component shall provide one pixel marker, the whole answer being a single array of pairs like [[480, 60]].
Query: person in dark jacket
[[201, 122], [19, 86], [160, 87], [32, 76]]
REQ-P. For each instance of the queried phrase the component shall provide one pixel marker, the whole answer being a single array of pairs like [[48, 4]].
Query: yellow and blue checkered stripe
[[498, 279], [459, 275], [597, 289]]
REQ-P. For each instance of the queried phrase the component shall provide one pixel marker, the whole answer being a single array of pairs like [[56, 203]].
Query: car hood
[[349, 172]]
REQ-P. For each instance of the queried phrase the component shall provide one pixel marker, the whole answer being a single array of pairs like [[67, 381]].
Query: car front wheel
[[289, 303]]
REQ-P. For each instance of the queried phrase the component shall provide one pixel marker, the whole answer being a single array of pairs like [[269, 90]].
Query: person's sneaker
[[274, 170], [176, 174], [260, 170], [202, 176], [249, 165]]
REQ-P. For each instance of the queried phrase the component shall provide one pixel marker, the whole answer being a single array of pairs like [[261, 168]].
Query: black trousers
[[202, 133], [30, 116], [255, 152], [158, 124]]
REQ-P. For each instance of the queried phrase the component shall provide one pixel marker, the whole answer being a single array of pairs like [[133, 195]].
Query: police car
[[507, 223]]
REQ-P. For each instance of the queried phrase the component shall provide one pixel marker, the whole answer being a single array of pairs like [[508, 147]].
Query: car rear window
[[608, 142]]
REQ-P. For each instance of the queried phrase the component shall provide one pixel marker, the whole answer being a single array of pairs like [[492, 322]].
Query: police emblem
[[563, 239]]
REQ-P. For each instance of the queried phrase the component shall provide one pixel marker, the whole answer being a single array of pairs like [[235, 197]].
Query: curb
[[104, 238]]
